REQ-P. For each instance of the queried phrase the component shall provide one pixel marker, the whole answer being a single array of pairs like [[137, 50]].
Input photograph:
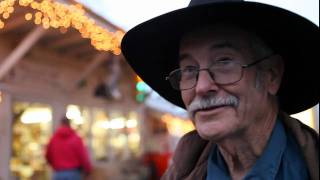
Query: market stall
[[53, 56]]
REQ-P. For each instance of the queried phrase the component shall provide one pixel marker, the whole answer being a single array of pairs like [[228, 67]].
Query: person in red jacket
[[67, 154]]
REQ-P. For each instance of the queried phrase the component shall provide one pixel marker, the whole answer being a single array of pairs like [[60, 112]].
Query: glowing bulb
[[10, 9], [35, 5], [36, 115], [63, 30], [117, 51], [1, 25], [6, 15], [28, 16], [46, 25], [37, 21], [131, 123], [38, 14], [73, 113], [117, 123]]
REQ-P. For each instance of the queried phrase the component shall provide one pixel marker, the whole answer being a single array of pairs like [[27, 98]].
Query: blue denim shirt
[[281, 160]]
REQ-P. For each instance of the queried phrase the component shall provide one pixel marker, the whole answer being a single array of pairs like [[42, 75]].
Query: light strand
[[60, 16]]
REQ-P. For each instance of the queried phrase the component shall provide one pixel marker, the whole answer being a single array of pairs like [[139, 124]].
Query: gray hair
[[260, 49]]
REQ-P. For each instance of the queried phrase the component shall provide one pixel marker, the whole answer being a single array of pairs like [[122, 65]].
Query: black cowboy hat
[[152, 47]]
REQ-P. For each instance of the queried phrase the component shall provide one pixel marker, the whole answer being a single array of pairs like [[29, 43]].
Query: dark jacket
[[191, 155]]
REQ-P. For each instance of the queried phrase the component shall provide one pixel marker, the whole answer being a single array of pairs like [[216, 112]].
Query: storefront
[[48, 71], [110, 135]]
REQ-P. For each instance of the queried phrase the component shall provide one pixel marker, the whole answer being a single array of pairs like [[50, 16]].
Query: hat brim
[[152, 47]]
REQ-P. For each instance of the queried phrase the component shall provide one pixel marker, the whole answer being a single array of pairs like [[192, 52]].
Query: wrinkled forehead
[[227, 33]]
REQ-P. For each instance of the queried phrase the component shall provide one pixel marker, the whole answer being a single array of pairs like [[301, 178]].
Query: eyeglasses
[[222, 72]]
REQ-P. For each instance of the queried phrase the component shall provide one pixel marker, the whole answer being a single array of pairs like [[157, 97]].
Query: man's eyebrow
[[222, 45], [218, 45]]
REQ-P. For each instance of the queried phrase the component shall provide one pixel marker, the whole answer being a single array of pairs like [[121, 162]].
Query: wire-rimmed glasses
[[222, 72]]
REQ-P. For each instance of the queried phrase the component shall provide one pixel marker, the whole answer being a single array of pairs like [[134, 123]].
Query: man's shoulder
[[190, 148], [191, 136], [308, 141], [189, 157], [192, 141]]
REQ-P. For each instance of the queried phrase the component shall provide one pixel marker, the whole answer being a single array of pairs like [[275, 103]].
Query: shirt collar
[[266, 166], [269, 162]]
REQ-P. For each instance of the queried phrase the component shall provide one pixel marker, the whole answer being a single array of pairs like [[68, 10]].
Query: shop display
[[31, 132], [114, 135]]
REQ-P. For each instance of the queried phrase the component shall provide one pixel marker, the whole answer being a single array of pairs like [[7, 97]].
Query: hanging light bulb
[[57, 15]]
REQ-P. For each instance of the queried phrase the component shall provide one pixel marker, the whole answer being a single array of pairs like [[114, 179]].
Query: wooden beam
[[39, 51], [16, 55], [79, 49], [14, 23], [113, 80], [98, 59], [65, 40]]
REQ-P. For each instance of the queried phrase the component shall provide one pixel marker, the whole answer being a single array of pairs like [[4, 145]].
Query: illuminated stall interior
[[58, 53], [113, 136], [31, 130]]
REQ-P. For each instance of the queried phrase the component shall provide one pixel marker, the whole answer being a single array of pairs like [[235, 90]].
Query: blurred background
[[62, 58]]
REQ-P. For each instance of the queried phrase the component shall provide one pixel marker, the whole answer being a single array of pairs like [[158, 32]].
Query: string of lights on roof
[[51, 14]]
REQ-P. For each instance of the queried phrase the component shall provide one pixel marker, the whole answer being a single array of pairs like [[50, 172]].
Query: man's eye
[[224, 60], [188, 73], [189, 69]]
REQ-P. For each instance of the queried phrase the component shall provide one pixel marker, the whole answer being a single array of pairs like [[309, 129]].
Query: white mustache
[[211, 101]]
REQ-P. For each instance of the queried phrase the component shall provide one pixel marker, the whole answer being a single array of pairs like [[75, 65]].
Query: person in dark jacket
[[239, 68], [67, 154]]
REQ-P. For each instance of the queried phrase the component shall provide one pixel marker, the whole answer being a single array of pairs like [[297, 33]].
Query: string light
[[6, 8], [1, 24], [50, 14], [28, 16]]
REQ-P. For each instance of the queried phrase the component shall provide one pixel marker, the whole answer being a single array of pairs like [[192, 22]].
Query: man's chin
[[210, 135]]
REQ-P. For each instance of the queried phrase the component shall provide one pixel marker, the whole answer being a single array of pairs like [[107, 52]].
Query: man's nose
[[205, 82]]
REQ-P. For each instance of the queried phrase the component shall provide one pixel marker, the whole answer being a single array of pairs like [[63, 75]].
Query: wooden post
[[5, 134]]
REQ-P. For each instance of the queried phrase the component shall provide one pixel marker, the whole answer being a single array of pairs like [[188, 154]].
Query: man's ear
[[275, 74]]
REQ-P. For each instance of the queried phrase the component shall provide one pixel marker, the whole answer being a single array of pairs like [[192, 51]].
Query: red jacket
[[67, 151]]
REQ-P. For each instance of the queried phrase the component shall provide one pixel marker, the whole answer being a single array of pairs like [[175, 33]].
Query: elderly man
[[239, 68]]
